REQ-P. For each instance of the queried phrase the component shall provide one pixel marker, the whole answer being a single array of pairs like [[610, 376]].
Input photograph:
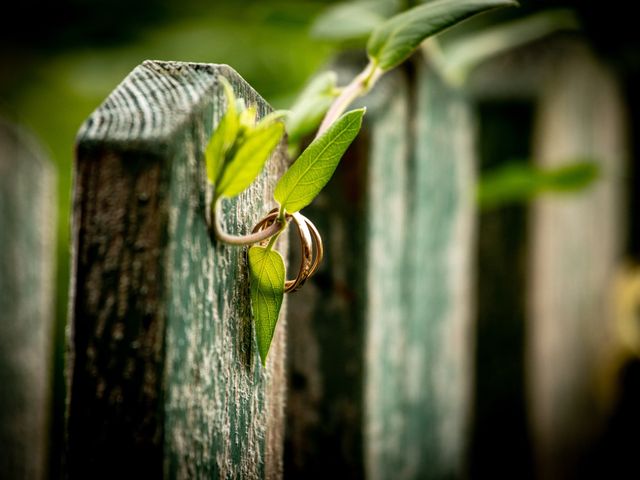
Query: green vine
[[240, 147]]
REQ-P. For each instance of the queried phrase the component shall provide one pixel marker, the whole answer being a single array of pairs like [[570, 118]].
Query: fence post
[[164, 375], [27, 236], [419, 345], [577, 245], [380, 386]]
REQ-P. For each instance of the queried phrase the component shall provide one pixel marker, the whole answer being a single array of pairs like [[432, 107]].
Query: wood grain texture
[[577, 245], [165, 379], [380, 351], [27, 236]]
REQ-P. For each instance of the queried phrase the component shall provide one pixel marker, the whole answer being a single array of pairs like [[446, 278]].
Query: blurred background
[[524, 83]]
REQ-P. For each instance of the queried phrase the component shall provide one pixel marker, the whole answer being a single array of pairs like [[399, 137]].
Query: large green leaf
[[249, 159], [395, 40], [310, 107], [519, 182], [267, 290], [224, 136], [310, 173]]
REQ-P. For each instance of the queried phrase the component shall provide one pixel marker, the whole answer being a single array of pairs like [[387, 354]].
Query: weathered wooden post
[[577, 245], [27, 236], [164, 377], [380, 384]]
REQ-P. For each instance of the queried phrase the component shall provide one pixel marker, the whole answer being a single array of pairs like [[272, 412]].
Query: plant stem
[[360, 85], [249, 239], [273, 240], [283, 225]]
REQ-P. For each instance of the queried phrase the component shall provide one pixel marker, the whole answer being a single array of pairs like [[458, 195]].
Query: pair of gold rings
[[310, 246]]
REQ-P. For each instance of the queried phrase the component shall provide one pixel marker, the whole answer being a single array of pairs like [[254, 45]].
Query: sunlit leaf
[[249, 159], [396, 39], [310, 107], [351, 21], [273, 116], [267, 290], [518, 182], [224, 135], [310, 173], [247, 118]]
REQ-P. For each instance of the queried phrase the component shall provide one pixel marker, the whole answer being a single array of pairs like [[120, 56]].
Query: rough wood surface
[[576, 246], [164, 375], [27, 236], [381, 347]]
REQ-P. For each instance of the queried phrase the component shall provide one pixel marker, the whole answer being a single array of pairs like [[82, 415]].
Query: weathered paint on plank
[[27, 236], [164, 376], [577, 245], [419, 348]]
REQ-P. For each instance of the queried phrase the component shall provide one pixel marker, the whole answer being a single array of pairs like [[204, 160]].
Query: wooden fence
[[377, 374], [163, 373]]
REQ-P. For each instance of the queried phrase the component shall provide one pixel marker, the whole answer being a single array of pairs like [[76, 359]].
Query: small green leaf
[[352, 21], [519, 182], [396, 39], [572, 177], [311, 106], [247, 118], [267, 290], [310, 173], [272, 117], [224, 136], [249, 159]]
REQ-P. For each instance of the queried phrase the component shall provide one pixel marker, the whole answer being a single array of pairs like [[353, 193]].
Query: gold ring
[[309, 238], [317, 240]]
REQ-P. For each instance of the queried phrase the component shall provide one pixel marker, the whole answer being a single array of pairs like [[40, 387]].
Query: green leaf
[[311, 106], [519, 182], [571, 178], [267, 290], [249, 159], [396, 39], [247, 118], [352, 21], [461, 56], [310, 173], [224, 136]]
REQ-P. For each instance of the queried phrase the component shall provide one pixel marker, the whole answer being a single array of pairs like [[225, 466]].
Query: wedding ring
[[309, 238]]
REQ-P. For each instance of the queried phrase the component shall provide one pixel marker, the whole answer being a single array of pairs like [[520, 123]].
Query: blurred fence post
[[27, 236], [419, 347], [577, 245], [380, 384], [164, 377]]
